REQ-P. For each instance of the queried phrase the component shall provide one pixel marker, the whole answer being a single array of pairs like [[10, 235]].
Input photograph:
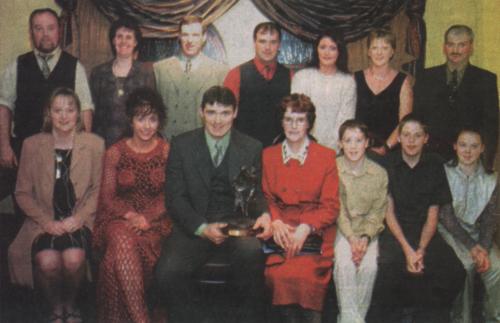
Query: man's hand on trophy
[[264, 222], [213, 232]]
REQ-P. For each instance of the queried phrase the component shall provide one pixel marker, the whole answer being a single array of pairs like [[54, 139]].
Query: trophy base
[[240, 228]]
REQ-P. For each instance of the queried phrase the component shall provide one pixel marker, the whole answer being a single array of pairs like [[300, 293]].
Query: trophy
[[241, 223]]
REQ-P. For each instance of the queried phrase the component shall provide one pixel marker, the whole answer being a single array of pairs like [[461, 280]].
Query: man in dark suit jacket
[[200, 169], [458, 94]]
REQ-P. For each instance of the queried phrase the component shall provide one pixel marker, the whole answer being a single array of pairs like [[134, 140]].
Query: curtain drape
[[307, 18], [160, 19]]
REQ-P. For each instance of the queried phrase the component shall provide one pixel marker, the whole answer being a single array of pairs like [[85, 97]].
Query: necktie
[[219, 154], [188, 66], [453, 86], [267, 72], [454, 80], [45, 65]]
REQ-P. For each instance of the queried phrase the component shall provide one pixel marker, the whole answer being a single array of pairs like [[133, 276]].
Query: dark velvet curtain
[[307, 18], [160, 19]]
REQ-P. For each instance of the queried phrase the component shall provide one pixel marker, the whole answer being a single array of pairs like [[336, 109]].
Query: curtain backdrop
[[307, 18], [160, 19]]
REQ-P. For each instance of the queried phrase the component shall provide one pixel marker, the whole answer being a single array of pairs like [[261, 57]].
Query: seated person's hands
[[72, 223], [264, 222], [213, 232], [359, 245], [481, 258], [55, 228], [282, 233], [137, 222], [297, 240], [414, 261]]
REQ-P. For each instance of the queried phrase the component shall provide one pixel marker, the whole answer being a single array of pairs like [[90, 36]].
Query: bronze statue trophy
[[241, 223]]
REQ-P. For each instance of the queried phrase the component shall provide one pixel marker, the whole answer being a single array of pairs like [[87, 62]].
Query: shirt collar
[[398, 158], [195, 61], [54, 57], [366, 168], [55, 53], [266, 70], [301, 156], [211, 141], [460, 71], [479, 171]]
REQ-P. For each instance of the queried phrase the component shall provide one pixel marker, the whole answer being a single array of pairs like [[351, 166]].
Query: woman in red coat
[[300, 182]]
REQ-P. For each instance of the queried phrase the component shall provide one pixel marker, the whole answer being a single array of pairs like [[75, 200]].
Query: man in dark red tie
[[259, 85]]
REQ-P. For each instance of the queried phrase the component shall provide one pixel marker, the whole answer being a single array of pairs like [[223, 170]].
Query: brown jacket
[[34, 192]]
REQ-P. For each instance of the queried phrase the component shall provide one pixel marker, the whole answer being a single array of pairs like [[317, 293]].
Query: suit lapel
[[442, 76], [77, 154], [202, 160], [467, 78], [47, 164]]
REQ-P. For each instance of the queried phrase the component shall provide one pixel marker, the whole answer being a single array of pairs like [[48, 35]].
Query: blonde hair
[[61, 91]]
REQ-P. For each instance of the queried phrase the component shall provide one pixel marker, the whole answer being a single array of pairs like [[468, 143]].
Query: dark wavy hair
[[128, 24], [338, 39], [143, 101], [470, 129]]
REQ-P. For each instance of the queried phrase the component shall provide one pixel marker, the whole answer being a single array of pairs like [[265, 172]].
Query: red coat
[[302, 194]]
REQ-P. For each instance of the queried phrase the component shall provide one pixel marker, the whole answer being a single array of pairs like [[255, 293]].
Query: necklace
[[378, 77]]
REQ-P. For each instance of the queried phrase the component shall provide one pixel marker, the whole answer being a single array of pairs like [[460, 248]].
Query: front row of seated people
[[409, 266]]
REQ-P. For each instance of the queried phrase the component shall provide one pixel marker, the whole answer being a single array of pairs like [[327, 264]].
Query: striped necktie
[[219, 154], [45, 65]]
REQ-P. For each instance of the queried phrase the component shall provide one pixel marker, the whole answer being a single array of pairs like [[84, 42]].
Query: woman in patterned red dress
[[131, 218], [300, 183]]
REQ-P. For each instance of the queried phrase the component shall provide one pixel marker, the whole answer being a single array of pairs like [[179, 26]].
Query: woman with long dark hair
[[329, 85]]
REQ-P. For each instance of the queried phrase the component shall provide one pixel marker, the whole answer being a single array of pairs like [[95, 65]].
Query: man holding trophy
[[205, 175]]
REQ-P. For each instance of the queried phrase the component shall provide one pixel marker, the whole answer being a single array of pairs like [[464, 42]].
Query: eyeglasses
[[299, 121]]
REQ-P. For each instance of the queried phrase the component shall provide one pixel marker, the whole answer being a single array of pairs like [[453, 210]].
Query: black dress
[[379, 112], [64, 201]]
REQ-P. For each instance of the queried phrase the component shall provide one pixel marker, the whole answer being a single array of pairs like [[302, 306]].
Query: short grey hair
[[459, 30]]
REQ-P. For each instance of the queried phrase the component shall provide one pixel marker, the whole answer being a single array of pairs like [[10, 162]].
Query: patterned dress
[[131, 182]]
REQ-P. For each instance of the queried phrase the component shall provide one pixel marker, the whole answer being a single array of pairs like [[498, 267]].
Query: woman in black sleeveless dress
[[384, 94]]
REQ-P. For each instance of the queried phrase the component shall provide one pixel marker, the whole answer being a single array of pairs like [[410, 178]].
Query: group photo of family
[[253, 161]]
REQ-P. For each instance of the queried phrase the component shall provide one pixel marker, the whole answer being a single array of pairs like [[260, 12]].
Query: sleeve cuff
[[200, 229]]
